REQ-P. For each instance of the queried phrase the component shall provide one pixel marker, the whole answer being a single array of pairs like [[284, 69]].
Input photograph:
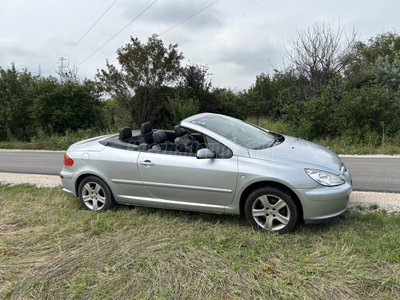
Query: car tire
[[95, 194], [271, 209]]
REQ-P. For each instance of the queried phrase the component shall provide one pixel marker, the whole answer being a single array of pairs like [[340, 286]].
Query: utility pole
[[61, 68]]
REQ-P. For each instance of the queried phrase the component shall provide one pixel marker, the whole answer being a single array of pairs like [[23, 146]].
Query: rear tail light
[[68, 162]]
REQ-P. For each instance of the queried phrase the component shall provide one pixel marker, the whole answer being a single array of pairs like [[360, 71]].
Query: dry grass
[[50, 248]]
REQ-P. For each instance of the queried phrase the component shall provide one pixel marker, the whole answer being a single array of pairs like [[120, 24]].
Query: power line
[[85, 33], [119, 32], [188, 18], [183, 21], [90, 28]]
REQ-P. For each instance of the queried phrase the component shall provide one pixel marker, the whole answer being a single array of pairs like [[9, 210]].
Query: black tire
[[271, 209], [95, 194]]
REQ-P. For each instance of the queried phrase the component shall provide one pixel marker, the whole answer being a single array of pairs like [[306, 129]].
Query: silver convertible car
[[210, 163]]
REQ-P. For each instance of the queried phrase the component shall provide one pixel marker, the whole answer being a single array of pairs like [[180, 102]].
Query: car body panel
[[300, 154], [188, 179]]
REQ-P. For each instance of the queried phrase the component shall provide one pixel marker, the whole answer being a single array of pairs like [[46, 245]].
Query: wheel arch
[[260, 184], [85, 175]]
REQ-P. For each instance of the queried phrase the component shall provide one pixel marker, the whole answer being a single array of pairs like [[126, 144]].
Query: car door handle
[[147, 163]]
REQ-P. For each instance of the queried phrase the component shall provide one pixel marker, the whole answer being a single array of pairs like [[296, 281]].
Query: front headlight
[[324, 178]]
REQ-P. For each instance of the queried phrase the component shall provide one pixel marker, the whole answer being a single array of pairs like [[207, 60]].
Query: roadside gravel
[[39, 180], [362, 201]]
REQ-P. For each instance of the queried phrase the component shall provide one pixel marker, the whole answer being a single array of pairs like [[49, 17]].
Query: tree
[[318, 55], [70, 105], [382, 45], [386, 73], [195, 85], [362, 113], [263, 96], [375, 62], [230, 103], [15, 103], [182, 108], [145, 69]]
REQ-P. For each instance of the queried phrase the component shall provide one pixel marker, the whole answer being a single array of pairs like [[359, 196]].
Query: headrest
[[179, 130], [125, 133], [159, 136], [146, 128]]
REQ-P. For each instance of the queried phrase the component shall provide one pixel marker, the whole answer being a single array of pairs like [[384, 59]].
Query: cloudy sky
[[236, 39]]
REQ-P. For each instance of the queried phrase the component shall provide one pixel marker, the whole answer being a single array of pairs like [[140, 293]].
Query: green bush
[[182, 108]]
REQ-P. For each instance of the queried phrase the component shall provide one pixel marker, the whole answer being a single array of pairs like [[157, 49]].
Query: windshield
[[240, 132]]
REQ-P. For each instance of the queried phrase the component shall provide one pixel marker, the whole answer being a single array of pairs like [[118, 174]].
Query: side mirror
[[205, 153]]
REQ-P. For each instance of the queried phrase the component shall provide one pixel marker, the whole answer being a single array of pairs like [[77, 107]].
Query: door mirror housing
[[205, 153]]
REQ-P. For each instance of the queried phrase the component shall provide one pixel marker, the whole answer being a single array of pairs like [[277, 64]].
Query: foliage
[[360, 104], [32, 104], [357, 115], [180, 108], [67, 106], [386, 72], [263, 97], [369, 112], [15, 104], [228, 103], [194, 84], [382, 45], [335, 88], [116, 115], [145, 70]]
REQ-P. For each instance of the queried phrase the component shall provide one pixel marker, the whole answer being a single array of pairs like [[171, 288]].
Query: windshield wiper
[[278, 140]]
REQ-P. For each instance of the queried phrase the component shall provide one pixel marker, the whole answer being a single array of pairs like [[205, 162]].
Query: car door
[[119, 168], [186, 180]]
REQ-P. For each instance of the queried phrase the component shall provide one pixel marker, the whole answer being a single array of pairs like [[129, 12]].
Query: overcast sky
[[237, 40]]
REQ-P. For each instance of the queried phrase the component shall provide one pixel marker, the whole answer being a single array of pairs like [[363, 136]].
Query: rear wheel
[[95, 194], [271, 209]]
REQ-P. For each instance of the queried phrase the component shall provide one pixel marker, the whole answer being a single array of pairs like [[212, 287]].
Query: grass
[[50, 248], [55, 142], [359, 149]]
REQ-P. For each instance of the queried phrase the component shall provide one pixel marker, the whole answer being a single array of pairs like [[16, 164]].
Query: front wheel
[[95, 194], [271, 209]]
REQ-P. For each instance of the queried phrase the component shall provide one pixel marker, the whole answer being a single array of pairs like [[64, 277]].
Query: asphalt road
[[375, 174], [31, 162]]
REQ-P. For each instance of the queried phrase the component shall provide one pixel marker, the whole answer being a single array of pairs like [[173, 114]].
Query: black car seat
[[161, 143], [125, 134], [147, 133], [184, 142]]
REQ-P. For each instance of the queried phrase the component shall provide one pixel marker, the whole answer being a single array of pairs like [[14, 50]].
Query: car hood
[[300, 153]]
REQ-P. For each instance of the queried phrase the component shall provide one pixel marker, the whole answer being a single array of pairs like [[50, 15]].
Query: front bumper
[[324, 203]]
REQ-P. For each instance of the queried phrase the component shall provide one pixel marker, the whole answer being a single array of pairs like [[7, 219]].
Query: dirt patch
[[39, 180]]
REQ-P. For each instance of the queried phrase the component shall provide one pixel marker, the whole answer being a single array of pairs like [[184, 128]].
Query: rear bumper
[[68, 182]]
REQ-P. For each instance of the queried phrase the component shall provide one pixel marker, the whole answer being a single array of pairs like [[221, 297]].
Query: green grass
[[50, 248], [359, 149], [55, 142]]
